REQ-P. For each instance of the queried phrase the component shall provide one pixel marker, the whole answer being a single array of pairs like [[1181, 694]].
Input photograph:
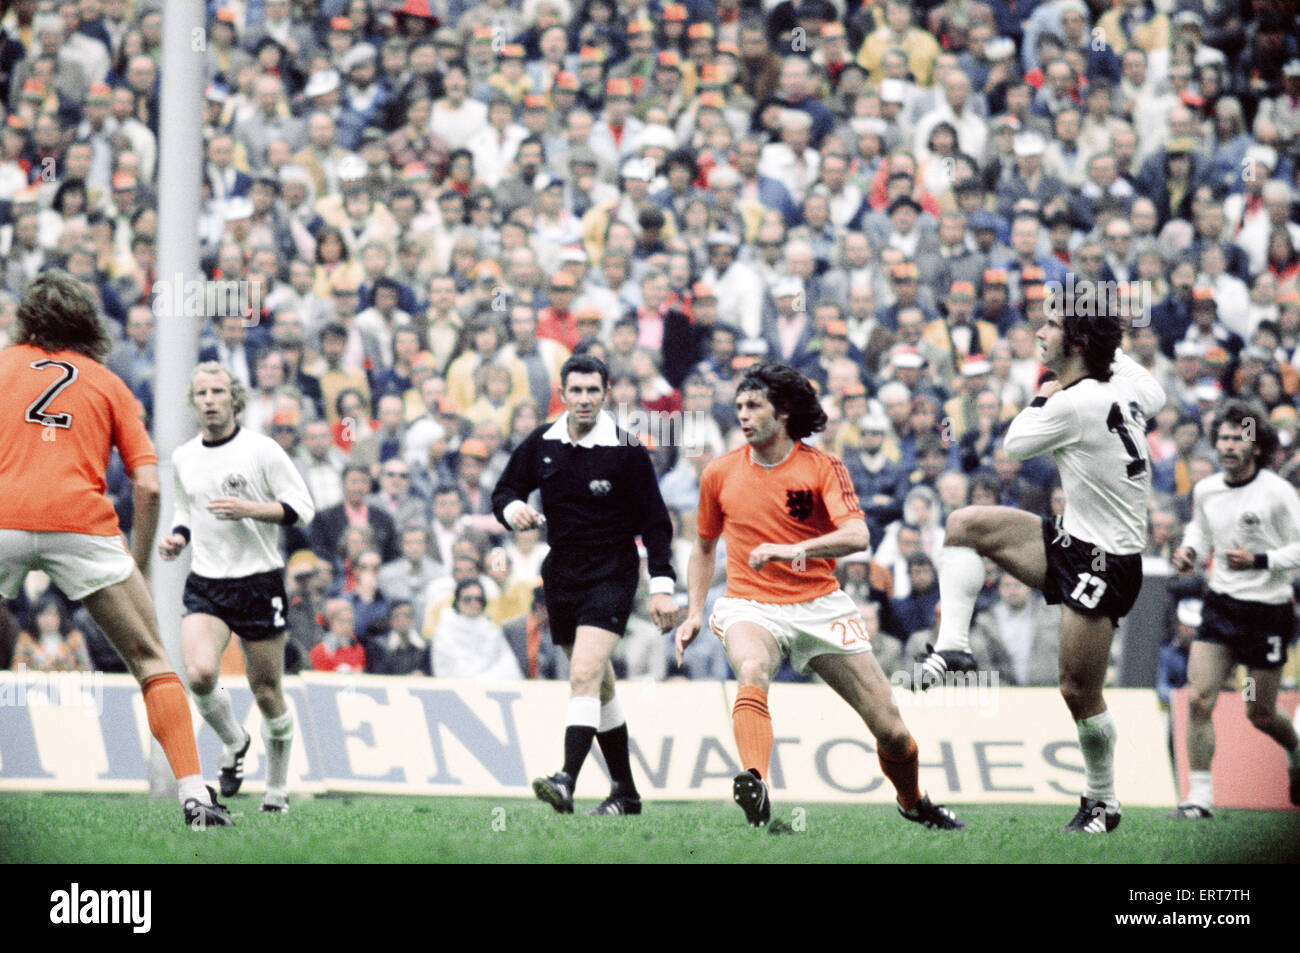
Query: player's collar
[[224, 440], [604, 434]]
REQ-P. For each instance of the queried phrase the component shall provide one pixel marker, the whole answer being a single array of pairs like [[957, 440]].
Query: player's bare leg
[[203, 643], [1085, 653], [755, 658], [859, 680], [1010, 537], [264, 663], [1208, 664], [126, 614], [1263, 714], [591, 683]]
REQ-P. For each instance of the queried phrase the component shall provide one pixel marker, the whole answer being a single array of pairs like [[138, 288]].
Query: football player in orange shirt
[[787, 510], [64, 411]]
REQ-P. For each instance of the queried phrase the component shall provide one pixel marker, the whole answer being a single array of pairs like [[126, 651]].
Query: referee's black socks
[[613, 745]]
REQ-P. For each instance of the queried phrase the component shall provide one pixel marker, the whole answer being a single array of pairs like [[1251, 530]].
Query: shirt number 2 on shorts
[[1089, 590]]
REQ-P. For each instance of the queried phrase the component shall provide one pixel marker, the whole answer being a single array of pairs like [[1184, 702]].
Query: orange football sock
[[169, 721], [903, 774], [752, 724]]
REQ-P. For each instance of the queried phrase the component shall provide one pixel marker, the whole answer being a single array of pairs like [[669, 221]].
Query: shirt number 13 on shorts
[[1085, 596]]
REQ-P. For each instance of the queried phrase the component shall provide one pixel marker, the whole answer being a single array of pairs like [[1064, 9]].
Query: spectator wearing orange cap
[[958, 334], [666, 89], [499, 17], [616, 133], [639, 66]]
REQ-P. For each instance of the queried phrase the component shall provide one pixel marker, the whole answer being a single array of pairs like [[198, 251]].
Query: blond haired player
[[63, 413], [234, 489], [787, 510]]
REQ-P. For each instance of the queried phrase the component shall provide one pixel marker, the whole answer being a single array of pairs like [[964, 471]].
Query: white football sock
[[277, 733], [192, 787], [1097, 739], [611, 716], [1201, 792], [961, 577], [216, 711], [583, 711]]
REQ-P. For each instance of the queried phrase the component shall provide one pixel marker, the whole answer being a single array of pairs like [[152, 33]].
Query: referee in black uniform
[[600, 493]]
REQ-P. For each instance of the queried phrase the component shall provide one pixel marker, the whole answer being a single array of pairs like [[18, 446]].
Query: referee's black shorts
[[596, 589], [1257, 633], [253, 606], [1088, 579]]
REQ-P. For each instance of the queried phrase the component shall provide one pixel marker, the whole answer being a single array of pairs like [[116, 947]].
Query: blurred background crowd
[[436, 203]]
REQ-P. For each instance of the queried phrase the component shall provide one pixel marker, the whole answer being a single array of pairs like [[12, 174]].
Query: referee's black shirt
[[597, 496]]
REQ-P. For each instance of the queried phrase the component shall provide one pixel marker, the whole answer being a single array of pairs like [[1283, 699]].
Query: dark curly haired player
[[1091, 417], [787, 510]]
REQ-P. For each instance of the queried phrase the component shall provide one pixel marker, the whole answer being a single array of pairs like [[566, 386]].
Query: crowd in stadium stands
[[438, 202]]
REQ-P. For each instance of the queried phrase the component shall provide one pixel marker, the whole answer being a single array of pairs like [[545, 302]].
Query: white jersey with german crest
[[1097, 432], [249, 466], [1261, 515]]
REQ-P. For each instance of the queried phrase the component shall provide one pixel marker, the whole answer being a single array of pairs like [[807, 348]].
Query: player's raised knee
[[963, 527]]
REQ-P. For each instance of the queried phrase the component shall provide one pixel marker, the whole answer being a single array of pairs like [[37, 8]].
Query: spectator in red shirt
[[556, 321], [339, 651]]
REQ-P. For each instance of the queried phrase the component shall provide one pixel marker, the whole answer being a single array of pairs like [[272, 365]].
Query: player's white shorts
[[829, 625], [77, 563]]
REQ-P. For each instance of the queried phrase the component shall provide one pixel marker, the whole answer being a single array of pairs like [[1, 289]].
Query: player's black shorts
[[1088, 579], [253, 606], [1257, 633], [597, 589]]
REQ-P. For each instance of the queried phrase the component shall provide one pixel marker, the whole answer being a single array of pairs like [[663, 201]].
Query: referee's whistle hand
[[528, 518], [663, 610]]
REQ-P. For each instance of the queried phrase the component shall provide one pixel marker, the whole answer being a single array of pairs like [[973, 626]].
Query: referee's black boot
[[557, 791]]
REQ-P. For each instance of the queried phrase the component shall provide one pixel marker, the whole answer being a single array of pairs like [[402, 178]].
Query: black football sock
[[613, 745], [577, 742]]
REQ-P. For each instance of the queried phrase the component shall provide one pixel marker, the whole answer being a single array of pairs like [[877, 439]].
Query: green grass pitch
[[134, 829]]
